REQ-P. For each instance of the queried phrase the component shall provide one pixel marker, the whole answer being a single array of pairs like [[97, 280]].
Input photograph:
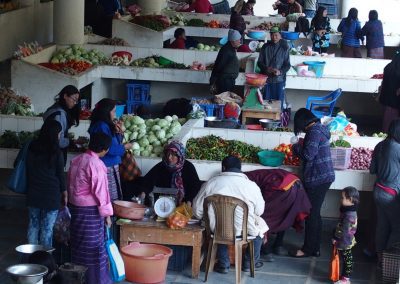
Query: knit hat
[[275, 29], [234, 35]]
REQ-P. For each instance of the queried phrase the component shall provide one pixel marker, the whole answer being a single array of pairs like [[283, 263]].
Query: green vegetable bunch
[[214, 148], [340, 143]]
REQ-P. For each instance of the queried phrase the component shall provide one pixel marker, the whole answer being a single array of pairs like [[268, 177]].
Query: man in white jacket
[[232, 182]]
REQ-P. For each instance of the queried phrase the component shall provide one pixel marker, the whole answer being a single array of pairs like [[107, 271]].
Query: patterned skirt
[[376, 53], [88, 243], [114, 183]]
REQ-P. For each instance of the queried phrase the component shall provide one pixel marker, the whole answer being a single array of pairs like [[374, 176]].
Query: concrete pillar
[[68, 21]]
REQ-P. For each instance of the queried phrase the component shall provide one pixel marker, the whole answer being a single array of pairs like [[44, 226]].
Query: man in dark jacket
[[226, 67], [274, 62]]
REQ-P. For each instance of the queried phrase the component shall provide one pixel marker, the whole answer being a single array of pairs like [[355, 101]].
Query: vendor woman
[[174, 171]]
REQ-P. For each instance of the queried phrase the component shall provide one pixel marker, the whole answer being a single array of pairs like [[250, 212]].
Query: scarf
[[344, 209], [176, 182]]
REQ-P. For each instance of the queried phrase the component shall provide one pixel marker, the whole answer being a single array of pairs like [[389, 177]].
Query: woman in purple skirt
[[90, 206]]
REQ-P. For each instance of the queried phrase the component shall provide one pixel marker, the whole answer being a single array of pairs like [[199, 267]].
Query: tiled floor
[[285, 270]]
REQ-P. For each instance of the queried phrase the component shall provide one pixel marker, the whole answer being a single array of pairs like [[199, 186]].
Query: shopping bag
[[61, 226], [285, 117], [334, 268], [129, 169], [18, 181], [117, 268]]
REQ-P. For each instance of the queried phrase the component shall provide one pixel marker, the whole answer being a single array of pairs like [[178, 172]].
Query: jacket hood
[[54, 108], [323, 129]]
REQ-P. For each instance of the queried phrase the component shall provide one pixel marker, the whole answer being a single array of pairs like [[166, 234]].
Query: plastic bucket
[[145, 263], [119, 110], [316, 66]]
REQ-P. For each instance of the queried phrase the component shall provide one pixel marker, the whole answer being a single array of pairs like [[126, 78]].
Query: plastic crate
[[131, 107], [390, 264], [326, 2], [332, 10], [138, 91], [209, 109], [179, 257], [341, 158]]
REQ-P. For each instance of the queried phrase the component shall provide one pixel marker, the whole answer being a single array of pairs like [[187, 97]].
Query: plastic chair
[[318, 105], [224, 233]]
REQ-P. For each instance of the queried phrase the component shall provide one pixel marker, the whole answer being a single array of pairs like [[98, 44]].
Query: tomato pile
[[70, 67], [213, 24], [290, 158]]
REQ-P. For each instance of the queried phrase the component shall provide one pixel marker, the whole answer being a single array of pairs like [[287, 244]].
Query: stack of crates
[[331, 6], [216, 110], [138, 93]]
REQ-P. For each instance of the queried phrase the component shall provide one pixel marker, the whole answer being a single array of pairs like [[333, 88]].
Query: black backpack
[[302, 26]]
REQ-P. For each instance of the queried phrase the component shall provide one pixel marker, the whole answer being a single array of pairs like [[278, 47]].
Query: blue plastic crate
[[326, 2], [332, 10], [131, 107], [179, 257], [219, 111], [138, 91], [209, 109]]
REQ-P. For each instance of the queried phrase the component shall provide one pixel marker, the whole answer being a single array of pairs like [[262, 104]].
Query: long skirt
[[114, 183], [88, 243], [389, 114], [350, 51], [376, 53]]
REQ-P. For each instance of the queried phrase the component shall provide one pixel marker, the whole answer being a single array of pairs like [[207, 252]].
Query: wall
[[387, 9], [34, 21]]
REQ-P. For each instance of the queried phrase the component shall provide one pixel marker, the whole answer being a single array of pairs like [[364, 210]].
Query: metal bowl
[[269, 123], [27, 273], [24, 251]]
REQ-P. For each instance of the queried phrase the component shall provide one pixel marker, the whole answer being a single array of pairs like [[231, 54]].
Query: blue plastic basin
[[260, 35], [316, 66], [290, 35]]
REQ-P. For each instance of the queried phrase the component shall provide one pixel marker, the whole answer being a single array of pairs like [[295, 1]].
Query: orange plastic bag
[[334, 268]]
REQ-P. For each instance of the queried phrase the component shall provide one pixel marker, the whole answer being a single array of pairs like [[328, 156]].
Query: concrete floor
[[13, 224]]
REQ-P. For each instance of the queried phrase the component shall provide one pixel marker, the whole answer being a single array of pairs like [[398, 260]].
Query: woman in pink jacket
[[91, 208]]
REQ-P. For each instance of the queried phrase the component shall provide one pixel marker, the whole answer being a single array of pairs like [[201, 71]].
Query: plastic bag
[[117, 267], [180, 217], [228, 97], [334, 265], [61, 227]]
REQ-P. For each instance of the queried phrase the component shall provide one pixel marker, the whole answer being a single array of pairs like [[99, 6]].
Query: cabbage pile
[[78, 53], [149, 135]]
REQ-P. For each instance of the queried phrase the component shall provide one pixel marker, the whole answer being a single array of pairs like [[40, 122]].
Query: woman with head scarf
[[318, 175], [350, 28], [174, 171], [237, 21], [248, 8], [390, 91], [385, 164]]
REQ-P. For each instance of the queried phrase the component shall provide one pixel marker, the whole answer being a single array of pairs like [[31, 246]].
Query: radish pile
[[360, 158]]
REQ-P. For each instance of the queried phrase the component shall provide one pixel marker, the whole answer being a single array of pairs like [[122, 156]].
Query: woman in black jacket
[[237, 21], [46, 183]]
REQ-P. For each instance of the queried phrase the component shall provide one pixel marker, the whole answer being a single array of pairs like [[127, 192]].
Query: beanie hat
[[234, 35], [275, 29]]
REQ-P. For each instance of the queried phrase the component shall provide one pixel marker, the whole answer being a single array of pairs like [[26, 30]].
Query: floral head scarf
[[176, 182]]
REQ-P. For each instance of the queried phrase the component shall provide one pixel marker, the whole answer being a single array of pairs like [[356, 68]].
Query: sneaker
[[343, 280], [257, 266]]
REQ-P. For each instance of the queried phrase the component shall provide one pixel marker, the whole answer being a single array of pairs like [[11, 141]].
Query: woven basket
[[390, 264]]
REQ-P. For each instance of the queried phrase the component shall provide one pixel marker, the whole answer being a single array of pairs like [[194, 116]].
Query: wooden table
[[273, 113], [150, 231]]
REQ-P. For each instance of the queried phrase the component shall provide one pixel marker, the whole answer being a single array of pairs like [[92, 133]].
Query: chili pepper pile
[[214, 148], [71, 67], [290, 158]]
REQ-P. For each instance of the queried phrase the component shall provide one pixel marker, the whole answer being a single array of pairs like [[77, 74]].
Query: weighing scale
[[253, 98], [165, 200]]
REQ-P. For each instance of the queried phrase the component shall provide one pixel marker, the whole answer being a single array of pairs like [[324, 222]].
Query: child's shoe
[[343, 280]]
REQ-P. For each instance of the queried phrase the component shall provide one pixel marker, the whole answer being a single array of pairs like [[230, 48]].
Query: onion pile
[[360, 158]]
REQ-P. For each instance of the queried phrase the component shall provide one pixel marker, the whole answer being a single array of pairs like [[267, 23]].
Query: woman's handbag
[[129, 169], [117, 268], [18, 181], [334, 268]]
